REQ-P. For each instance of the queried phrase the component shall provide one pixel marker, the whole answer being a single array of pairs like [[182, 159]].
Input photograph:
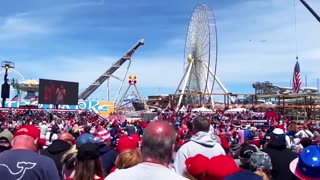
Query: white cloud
[[21, 25], [176, 42], [41, 21]]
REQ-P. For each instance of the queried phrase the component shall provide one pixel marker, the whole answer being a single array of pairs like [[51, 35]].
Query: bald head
[[65, 136], [25, 142], [158, 142], [159, 128]]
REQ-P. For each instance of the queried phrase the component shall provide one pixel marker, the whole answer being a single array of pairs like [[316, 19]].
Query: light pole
[[5, 89]]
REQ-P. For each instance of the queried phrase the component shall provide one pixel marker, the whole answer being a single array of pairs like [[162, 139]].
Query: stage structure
[[132, 82], [106, 76], [200, 59]]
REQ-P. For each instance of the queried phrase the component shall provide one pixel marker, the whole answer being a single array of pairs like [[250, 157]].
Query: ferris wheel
[[16, 75], [200, 57]]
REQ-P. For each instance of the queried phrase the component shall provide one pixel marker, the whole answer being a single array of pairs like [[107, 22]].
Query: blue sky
[[77, 40]]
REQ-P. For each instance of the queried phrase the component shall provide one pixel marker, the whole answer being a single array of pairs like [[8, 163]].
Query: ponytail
[[262, 174]]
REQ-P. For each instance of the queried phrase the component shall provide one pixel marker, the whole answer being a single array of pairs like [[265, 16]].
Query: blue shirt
[[20, 164]]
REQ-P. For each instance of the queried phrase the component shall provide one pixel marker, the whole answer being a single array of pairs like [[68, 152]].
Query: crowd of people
[[41, 144]]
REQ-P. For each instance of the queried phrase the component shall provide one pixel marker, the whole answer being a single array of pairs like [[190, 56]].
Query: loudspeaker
[[5, 91]]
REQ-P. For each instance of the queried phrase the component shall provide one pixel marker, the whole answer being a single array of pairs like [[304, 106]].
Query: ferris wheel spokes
[[202, 45]]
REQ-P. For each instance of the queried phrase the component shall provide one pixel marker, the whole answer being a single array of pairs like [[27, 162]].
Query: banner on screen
[[103, 108], [58, 92]]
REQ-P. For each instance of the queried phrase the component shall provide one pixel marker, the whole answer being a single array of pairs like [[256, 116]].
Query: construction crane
[[97, 83], [310, 9]]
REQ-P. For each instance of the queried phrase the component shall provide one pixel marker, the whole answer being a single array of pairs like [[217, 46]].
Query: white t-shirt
[[145, 170]]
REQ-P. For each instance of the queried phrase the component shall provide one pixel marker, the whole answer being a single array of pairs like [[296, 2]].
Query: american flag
[[296, 78]]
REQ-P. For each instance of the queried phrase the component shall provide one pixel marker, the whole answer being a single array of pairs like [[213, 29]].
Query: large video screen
[[58, 92]]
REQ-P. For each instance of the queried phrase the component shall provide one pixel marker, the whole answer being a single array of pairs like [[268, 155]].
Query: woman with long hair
[[128, 158], [262, 174], [75, 131], [69, 161], [88, 164]]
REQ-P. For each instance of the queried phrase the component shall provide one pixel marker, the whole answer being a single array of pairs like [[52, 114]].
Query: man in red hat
[[23, 160]]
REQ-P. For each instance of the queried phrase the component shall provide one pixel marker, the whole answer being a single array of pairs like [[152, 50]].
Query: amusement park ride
[[201, 48], [97, 83], [200, 69], [132, 82]]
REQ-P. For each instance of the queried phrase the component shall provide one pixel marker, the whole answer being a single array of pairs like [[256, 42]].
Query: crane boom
[[88, 91], [310, 9]]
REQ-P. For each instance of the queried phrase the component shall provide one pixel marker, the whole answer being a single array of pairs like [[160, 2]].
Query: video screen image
[[58, 92]]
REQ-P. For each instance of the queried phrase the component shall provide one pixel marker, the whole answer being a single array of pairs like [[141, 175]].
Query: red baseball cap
[[31, 131], [136, 137], [222, 166], [126, 142], [197, 166], [28, 130], [143, 124]]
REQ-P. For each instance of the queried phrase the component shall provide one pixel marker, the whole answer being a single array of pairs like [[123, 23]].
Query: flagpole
[[295, 28], [290, 82], [318, 84], [306, 81]]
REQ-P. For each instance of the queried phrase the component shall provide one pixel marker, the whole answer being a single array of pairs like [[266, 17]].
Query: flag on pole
[[296, 78]]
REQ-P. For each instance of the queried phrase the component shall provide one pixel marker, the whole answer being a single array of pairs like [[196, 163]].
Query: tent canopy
[[202, 109], [183, 109]]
